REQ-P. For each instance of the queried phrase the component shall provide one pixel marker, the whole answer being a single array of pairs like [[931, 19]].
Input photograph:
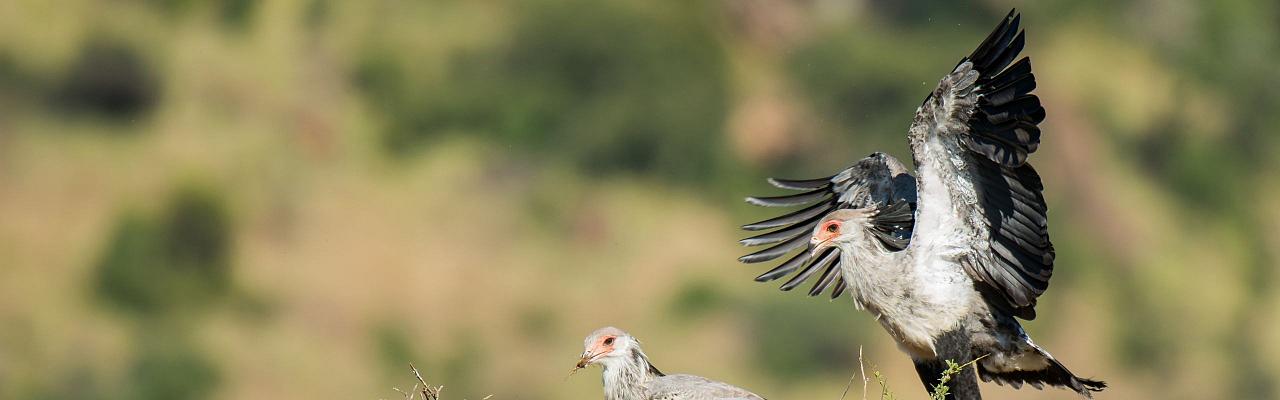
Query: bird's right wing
[[878, 179]]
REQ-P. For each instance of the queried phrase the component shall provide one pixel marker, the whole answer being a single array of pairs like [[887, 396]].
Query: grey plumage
[[948, 280], [628, 374], [692, 387]]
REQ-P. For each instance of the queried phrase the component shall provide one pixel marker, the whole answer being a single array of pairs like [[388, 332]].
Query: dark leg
[[962, 386], [930, 372]]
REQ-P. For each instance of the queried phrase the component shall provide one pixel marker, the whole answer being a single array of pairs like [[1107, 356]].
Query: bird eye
[[833, 227], [608, 341]]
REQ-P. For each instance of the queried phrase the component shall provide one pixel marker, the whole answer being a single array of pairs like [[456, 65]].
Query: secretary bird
[[628, 375], [947, 261]]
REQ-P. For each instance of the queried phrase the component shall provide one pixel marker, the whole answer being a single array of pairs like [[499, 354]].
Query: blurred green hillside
[[292, 199]]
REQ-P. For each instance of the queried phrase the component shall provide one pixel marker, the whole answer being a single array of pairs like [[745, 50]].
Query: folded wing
[[692, 387]]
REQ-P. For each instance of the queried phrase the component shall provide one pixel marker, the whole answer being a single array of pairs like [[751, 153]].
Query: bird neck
[[877, 278], [627, 378]]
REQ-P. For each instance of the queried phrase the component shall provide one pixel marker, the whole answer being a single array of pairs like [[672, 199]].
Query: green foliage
[[885, 393], [124, 273], [624, 88], [394, 348], [464, 367], [171, 369], [633, 87], [460, 364], [697, 298], [928, 13], [236, 14], [197, 240], [1192, 167], [15, 82], [865, 87], [318, 13], [941, 390], [1251, 380], [1138, 345], [180, 261], [233, 15], [161, 269]]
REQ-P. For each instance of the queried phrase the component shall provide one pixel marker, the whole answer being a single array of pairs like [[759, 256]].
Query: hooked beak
[[587, 358], [816, 246]]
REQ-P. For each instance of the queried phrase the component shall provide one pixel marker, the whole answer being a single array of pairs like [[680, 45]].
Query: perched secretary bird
[[947, 264], [628, 375]]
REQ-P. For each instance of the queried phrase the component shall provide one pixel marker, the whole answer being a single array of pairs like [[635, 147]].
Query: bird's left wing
[[877, 180], [971, 139]]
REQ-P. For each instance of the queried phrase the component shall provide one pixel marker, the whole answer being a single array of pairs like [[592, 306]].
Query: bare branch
[[863, 370], [864, 378], [422, 390]]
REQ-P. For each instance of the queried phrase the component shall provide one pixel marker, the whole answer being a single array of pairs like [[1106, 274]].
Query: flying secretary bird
[[949, 260], [628, 375]]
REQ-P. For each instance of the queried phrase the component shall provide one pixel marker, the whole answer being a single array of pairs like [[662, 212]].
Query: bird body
[[628, 375], [932, 310], [947, 268], [912, 300]]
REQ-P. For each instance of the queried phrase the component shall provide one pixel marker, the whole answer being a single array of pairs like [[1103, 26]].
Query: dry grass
[[422, 390]]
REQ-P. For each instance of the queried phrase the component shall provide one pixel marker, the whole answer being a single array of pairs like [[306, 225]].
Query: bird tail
[[1052, 373]]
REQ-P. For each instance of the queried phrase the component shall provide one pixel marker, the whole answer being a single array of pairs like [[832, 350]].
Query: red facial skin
[[828, 232], [602, 347]]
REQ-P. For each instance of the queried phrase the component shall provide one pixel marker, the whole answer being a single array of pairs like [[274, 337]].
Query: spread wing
[[877, 179], [974, 133]]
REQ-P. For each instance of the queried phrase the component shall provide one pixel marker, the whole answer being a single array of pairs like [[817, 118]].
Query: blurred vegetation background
[[231, 199]]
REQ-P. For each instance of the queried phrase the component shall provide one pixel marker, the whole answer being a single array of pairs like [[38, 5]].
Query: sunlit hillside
[[295, 199]]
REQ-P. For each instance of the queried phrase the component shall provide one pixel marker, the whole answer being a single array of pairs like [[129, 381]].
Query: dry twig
[[863, 372], [423, 391]]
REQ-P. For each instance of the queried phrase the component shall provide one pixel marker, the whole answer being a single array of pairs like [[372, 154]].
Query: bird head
[[605, 345], [838, 228]]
